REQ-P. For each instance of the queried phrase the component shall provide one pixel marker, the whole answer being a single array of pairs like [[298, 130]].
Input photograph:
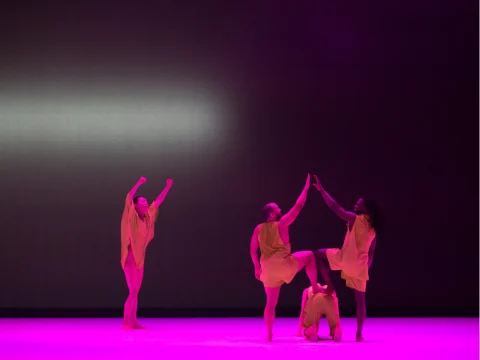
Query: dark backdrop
[[237, 102]]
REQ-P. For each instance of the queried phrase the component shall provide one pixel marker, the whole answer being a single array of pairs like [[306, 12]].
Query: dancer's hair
[[375, 213], [266, 211]]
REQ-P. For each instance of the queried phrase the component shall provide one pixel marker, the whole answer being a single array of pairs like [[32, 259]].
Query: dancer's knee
[[272, 297], [304, 258], [133, 291], [310, 256], [360, 299]]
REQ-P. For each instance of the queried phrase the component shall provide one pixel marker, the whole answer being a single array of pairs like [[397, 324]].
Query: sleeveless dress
[[352, 258], [136, 233], [278, 265]]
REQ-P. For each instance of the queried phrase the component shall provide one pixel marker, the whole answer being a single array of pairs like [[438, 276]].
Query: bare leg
[[132, 276], [307, 259], [126, 308], [269, 313], [311, 333], [361, 313], [324, 269], [129, 271], [139, 280]]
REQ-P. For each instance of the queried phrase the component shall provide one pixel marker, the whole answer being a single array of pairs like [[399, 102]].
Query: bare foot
[[337, 334], [318, 289], [329, 290], [359, 337], [137, 326], [269, 337], [127, 327], [311, 333]]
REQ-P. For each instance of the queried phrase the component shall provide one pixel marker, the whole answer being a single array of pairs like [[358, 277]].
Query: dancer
[[277, 265], [313, 307], [137, 230], [356, 255]]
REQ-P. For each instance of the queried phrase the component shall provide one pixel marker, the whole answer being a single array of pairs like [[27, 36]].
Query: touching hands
[[307, 183], [317, 184], [143, 180]]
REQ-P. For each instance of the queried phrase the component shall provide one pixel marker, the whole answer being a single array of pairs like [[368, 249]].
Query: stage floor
[[234, 338]]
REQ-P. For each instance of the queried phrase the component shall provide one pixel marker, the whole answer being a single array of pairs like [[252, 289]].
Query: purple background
[[379, 98]]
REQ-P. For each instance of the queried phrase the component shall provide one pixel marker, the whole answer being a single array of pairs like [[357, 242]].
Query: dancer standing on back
[[277, 265], [137, 230], [356, 255]]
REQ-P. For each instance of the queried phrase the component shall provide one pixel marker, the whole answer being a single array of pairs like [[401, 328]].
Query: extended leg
[[132, 276], [324, 269], [139, 279], [129, 271], [361, 313], [269, 313]]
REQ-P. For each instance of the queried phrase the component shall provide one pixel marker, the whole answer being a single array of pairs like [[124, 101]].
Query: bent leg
[[311, 333], [324, 269], [313, 313], [332, 314], [307, 259], [361, 313], [269, 313]]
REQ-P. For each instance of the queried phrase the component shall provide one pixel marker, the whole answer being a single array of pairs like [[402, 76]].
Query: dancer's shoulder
[[269, 224]]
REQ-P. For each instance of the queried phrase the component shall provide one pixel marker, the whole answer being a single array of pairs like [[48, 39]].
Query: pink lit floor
[[234, 339]]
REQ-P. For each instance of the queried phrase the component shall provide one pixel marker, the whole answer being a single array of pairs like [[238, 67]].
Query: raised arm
[[290, 217], [164, 193], [134, 189], [332, 204], [254, 245], [302, 315], [371, 251]]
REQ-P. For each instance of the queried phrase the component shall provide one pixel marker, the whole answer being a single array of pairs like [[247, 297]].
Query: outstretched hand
[[169, 182], [308, 182], [317, 184], [142, 180]]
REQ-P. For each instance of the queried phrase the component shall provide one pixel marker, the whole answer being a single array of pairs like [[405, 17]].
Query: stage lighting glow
[[75, 117]]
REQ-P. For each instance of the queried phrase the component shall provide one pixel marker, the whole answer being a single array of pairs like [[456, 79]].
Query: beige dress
[[279, 266], [318, 305], [352, 258]]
